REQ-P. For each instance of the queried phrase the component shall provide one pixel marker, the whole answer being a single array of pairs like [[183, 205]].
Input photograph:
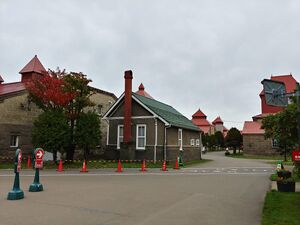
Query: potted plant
[[285, 183]]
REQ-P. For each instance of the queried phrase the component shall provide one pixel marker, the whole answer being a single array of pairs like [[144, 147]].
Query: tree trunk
[[285, 154], [54, 153], [234, 150], [71, 148]]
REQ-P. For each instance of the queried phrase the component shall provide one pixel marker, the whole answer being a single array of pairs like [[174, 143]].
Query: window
[[120, 135], [192, 142], [140, 136], [275, 143], [99, 109], [197, 142], [14, 141], [180, 139]]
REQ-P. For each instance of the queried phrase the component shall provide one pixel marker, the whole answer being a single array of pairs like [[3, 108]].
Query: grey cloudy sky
[[189, 54]]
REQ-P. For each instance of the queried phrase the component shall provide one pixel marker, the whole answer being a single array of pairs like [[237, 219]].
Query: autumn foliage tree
[[67, 93]]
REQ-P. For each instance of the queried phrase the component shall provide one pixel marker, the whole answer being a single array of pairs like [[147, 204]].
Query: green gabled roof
[[166, 112]]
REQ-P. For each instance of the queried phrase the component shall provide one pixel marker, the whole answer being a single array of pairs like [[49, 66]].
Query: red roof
[[217, 120], [11, 88], [34, 66], [198, 114], [288, 80], [142, 91], [252, 127]]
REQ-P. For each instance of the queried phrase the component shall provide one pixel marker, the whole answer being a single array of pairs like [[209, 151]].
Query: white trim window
[[275, 143], [180, 139], [192, 142], [197, 142], [120, 135], [14, 141], [141, 130]]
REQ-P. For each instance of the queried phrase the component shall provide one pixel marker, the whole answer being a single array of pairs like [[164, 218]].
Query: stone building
[[141, 127], [17, 113], [253, 136]]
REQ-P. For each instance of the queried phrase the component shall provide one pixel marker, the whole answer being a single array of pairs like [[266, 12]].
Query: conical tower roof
[[198, 114], [34, 66], [142, 91]]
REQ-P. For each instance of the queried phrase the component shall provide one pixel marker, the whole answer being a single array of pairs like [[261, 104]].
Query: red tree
[[49, 92]]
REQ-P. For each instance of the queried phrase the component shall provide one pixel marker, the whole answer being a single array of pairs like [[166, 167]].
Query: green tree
[[76, 83], [87, 132], [283, 127], [234, 139], [219, 139], [50, 131]]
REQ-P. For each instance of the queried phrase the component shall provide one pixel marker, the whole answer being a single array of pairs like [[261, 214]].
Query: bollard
[[16, 193], [36, 186]]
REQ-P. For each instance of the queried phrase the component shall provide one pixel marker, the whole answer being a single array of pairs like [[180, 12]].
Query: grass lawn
[[281, 209], [105, 164], [272, 159]]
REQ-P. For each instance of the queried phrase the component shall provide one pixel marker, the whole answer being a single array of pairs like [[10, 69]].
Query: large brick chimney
[[127, 106]]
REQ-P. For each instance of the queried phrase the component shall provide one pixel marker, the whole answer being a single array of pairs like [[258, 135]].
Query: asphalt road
[[225, 191]]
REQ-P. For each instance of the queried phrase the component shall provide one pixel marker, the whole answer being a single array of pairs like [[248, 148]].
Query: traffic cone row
[[119, 168], [28, 163], [84, 169], [60, 166], [164, 166], [176, 165], [143, 169]]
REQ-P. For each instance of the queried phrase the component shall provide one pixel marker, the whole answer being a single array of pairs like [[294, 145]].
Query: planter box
[[288, 187]]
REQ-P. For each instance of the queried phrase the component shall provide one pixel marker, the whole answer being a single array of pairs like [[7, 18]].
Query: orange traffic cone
[[143, 169], [28, 163], [84, 170], [176, 165], [60, 166], [119, 170], [164, 166]]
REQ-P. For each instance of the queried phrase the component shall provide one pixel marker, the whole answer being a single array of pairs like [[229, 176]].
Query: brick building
[[17, 113], [253, 136]]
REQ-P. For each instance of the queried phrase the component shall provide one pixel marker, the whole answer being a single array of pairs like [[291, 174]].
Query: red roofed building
[[253, 136], [17, 113], [199, 119]]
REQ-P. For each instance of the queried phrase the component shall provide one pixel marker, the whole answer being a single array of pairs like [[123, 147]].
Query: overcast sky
[[208, 54]]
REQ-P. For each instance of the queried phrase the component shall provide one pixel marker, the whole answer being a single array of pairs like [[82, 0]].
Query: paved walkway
[[225, 191]]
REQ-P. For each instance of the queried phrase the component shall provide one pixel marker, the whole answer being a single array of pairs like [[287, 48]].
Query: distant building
[[253, 136], [17, 113], [141, 127], [200, 120]]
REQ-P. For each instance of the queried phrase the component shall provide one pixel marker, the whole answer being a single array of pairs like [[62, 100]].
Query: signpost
[[16, 193], [36, 186], [296, 155]]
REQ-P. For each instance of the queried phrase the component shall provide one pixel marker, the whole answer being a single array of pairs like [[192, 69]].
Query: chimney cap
[[128, 74]]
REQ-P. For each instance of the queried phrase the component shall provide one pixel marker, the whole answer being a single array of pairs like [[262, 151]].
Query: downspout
[[155, 141], [165, 144], [107, 133], [200, 144]]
